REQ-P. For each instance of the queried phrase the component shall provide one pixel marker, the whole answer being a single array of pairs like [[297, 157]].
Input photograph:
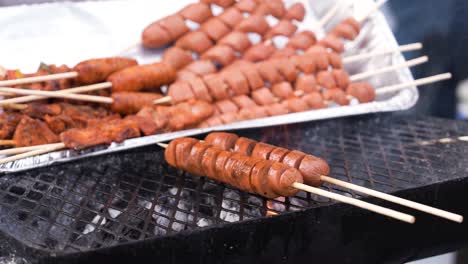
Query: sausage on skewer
[[267, 178], [310, 166]]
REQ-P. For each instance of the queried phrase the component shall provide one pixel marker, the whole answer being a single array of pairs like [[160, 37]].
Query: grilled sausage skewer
[[391, 88], [122, 104], [85, 72], [270, 179], [312, 100], [240, 85], [314, 170]]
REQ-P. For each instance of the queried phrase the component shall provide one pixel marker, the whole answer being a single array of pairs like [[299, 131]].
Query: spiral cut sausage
[[243, 77], [264, 103], [268, 178], [224, 38], [310, 166], [170, 28]]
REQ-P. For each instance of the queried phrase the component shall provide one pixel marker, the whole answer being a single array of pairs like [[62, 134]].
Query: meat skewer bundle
[[13, 102], [313, 169], [200, 111], [85, 72], [267, 178], [217, 46], [236, 110], [129, 103], [247, 78], [175, 27]]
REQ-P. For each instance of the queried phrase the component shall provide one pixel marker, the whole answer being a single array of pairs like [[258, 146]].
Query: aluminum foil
[[70, 32]]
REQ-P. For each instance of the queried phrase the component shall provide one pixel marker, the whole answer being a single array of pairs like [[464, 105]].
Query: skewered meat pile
[[256, 79]]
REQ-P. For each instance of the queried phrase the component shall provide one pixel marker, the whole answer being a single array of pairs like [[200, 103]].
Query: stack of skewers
[[216, 69]]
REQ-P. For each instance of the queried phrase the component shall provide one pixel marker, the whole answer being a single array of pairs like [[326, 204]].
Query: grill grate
[[124, 197]]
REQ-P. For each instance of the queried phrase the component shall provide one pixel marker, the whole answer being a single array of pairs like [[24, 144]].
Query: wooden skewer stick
[[18, 107], [33, 153], [7, 142], [421, 207], [81, 89], [364, 56], [81, 97], [356, 202], [51, 77], [14, 151], [406, 64], [341, 198], [418, 82], [374, 8]]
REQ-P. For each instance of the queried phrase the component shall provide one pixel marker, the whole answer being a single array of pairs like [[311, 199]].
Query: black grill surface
[[126, 197]]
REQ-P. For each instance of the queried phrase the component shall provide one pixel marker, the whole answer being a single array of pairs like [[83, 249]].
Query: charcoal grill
[[132, 207]]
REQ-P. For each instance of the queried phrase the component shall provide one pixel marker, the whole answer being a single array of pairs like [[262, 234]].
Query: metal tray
[[375, 35]]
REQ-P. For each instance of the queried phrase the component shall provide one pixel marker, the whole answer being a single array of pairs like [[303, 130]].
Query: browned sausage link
[[196, 41], [285, 52], [332, 42], [223, 140], [302, 40], [215, 28], [220, 54], [254, 23], [237, 41], [226, 106], [259, 52], [216, 86], [197, 12], [335, 95], [326, 80], [341, 78], [201, 67], [283, 28], [275, 8], [237, 82], [314, 100], [362, 91], [200, 89], [347, 29], [306, 83], [296, 11], [244, 101], [319, 56], [247, 6], [310, 166], [174, 25], [177, 57], [268, 178], [282, 90], [142, 77], [180, 91], [97, 70], [128, 103], [154, 36]]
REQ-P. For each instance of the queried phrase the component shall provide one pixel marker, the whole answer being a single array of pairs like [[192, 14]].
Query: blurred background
[[443, 28]]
